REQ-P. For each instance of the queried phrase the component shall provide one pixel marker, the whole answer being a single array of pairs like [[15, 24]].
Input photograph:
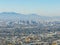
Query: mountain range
[[18, 16]]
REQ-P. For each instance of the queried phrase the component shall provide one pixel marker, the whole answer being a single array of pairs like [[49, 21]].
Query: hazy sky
[[42, 7]]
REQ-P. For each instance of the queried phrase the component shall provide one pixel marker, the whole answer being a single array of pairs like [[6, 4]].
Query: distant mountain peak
[[9, 13]]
